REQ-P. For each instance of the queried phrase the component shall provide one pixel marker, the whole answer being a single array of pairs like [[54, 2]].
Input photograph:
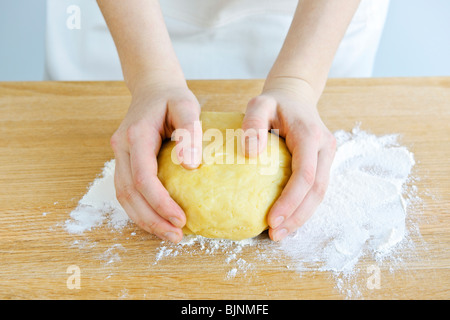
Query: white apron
[[213, 39]]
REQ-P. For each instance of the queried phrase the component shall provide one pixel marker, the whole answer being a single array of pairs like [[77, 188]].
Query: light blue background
[[415, 41]]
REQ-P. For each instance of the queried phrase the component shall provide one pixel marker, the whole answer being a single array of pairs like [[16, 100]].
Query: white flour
[[363, 216], [97, 204], [363, 212]]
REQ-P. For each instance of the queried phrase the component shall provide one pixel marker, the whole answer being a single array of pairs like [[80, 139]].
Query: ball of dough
[[222, 198]]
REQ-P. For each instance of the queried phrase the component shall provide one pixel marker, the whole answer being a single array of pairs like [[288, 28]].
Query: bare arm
[[142, 41], [161, 103], [316, 31], [288, 103]]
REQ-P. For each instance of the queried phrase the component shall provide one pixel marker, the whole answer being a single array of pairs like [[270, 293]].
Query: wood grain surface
[[54, 140]]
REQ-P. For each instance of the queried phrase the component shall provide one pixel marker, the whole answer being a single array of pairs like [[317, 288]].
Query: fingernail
[[281, 234], [171, 236], [251, 145], [176, 222], [192, 157], [279, 220]]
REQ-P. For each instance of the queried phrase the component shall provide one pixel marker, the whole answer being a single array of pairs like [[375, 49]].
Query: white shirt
[[213, 39]]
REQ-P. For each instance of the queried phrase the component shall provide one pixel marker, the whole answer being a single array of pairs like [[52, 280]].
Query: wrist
[[292, 85], [155, 79]]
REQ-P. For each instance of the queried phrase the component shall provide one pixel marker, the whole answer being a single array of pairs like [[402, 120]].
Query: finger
[[256, 124], [312, 200], [304, 166], [144, 147], [185, 118], [137, 207]]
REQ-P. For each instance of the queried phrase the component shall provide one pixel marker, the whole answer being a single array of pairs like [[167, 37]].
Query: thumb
[[256, 125], [188, 133]]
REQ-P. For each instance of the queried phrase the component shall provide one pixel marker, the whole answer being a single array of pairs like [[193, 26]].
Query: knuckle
[[308, 131], [141, 223], [309, 175], [305, 132], [125, 193], [134, 131], [154, 227], [149, 224], [253, 123], [158, 206], [260, 100], [287, 204], [297, 221], [190, 130], [330, 140], [290, 207], [145, 225], [315, 132], [139, 180], [320, 188], [255, 101], [131, 134], [187, 103], [115, 141]]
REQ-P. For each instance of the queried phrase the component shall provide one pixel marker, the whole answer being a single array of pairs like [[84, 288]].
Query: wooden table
[[54, 140]]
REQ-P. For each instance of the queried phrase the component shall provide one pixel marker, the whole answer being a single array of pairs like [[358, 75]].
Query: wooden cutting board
[[54, 140]]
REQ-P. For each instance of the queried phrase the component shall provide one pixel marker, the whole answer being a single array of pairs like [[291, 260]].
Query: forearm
[[317, 29], [142, 41]]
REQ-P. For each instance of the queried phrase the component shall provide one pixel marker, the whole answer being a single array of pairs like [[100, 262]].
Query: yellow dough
[[223, 199]]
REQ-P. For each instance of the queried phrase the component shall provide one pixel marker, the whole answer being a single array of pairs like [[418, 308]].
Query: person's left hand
[[289, 105]]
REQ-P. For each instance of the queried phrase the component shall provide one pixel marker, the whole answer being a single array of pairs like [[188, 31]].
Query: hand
[[155, 112], [289, 105]]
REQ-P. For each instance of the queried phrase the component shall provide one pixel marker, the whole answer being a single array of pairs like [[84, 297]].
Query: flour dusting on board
[[365, 215]]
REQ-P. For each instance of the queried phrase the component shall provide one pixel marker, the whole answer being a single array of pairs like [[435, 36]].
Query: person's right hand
[[155, 112]]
